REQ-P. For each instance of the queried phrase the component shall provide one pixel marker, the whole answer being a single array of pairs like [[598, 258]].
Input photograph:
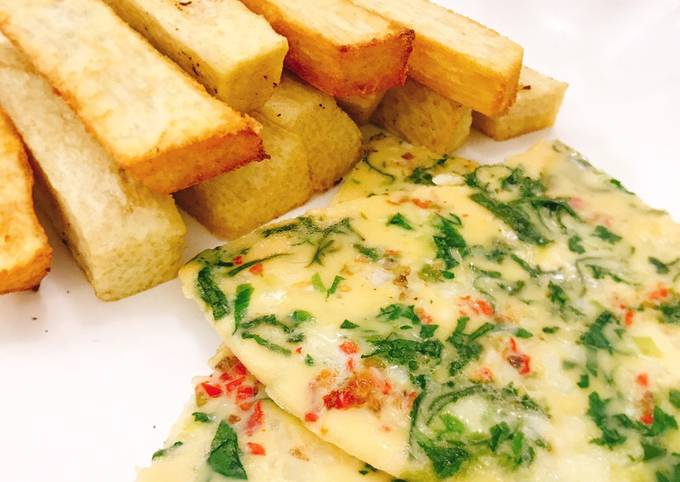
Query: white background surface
[[89, 390]]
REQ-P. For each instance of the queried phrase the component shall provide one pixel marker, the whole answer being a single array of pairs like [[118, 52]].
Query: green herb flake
[[400, 221], [606, 235], [348, 325], [661, 267], [163, 452], [583, 381], [447, 460], [201, 417], [597, 411], [512, 216], [670, 312], [371, 253], [266, 343], [224, 455], [595, 337], [427, 331], [575, 245], [309, 360], [550, 329], [367, 469], [300, 316], [651, 451], [522, 333], [334, 286], [674, 398], [317, 283], [241, 303], [619, 185], [211, 294]]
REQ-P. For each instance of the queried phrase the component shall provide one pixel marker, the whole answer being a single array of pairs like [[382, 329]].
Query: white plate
[[89, 389]]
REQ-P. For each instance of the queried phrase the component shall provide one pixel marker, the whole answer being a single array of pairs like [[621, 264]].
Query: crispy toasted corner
[[239, 201], [155, 121], [177, 169], [25, 254], [333, 57], [425, 118], [539, 99], [456, 56], [361, 107]]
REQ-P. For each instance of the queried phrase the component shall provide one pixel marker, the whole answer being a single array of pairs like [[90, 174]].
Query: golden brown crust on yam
[[464, 80], [168, 137], [455, 55], [176, 167], [341, 69], [25, 254]]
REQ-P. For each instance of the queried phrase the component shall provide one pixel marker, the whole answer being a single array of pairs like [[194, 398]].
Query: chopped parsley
[[163, 452], [606, 235], [595, 337], [309, 360], [446, 460], [224, 457], [241, 303], [266, 343], [576, 245], [367, 469], [597, 411], [522, 333], [211, 294], [466, 345], [449, 240], [371, 253], [674, 398], [514, 217], [348, 325], [202, 417], [400, 221], [618, 185]]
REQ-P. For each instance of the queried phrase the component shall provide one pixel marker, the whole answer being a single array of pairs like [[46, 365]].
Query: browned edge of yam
[[175, 170]]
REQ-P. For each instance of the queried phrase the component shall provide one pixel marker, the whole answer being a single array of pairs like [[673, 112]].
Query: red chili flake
[[484, 375], [231, 386], [256, 269], [256, 419], [213, 391], [408, 156], [659, 294], [513, 345], [350, 364], [340, 399], [349, 347], [576, 202], [647, 418], [387, 388], [642, 379], [298, 350], [311, 417], [628, 317], [238, 260], [256, 449], [245, 406], [245, 392], [421, 203], [521, 362], [485, 307], [424, 316], [240, 368]]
